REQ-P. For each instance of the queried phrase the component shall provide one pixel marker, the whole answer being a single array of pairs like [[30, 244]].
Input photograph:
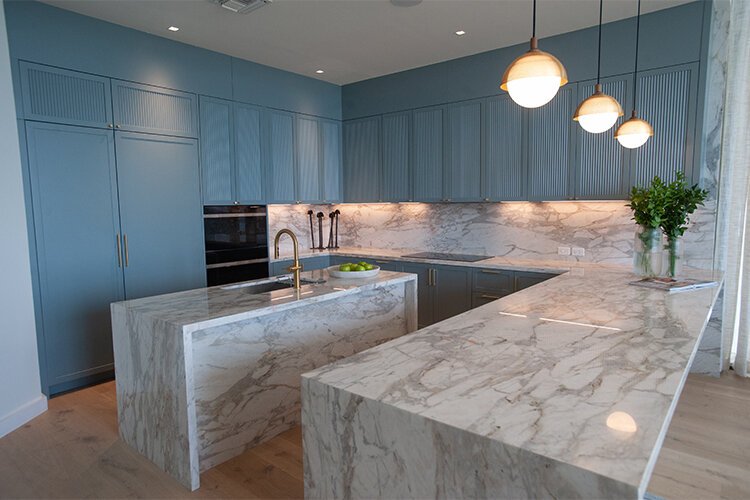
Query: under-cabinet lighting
[[173, 28]]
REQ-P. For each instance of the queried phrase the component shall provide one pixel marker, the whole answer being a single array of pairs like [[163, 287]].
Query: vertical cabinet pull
[[434, 277], [125, 242], [119, 251]]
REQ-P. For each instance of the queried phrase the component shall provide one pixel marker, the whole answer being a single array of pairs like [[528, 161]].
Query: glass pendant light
[[634, 132], [599, 112], [534, 78]]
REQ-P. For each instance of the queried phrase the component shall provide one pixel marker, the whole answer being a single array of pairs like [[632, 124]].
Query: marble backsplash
[[522, 230]]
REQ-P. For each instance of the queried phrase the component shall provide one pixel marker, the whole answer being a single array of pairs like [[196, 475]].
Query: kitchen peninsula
[[562, 390], [205, 374]]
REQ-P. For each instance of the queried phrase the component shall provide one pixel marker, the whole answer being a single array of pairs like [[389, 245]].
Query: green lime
[[345, 268], [358, 268], [369, 267]]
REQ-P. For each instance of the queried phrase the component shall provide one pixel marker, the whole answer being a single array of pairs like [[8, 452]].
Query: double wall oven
[[236, 243]]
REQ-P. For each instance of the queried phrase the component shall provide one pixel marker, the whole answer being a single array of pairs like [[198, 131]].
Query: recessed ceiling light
[[460, 32], [319, 71], [173, 28]]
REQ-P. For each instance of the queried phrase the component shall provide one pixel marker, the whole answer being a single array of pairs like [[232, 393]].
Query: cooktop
[[447, 256]]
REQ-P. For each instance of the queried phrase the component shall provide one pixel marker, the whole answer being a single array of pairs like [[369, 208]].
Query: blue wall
[[668, 37], [41, 33]]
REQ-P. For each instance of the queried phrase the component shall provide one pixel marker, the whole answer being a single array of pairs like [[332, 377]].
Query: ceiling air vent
[[241, 6]]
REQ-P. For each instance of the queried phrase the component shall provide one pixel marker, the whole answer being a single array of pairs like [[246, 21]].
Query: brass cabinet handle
[[125, 242], [429, 277], [491, 297], [515, 283], [487, 271], [434, 277], [383, 261], [119, 251]]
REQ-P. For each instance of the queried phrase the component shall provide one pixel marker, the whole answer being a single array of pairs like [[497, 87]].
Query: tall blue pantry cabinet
[[115, 187]]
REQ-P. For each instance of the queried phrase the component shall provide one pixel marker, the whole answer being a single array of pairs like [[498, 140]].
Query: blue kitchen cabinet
[[428, 146], [160, 213], [550, 153], [505, 145], [217, 152], [77, 233], [155, 110], [330, 147], [451, 291], [490, 284], [601, 167], [63, 96], [279, 156], [308, 264], [362, 160], [248, 165], [464, 152], [667, 100], [308, 159], [231, 167], [396, 174]]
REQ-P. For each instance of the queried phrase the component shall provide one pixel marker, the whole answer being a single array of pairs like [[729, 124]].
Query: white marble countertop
[[545, 369], [213, 306]]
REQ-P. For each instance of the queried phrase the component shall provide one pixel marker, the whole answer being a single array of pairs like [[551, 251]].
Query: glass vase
[[673, 256], [647, 254]]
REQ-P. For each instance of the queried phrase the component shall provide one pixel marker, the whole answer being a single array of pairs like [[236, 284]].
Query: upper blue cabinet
[[231, 167], [155, 110], [505, 145], [602, 168], [428, 152], [667, 100], [62, 96], [396, 172], [279, 157], [550, 160], [362, 160], [330, 150], [308, 159], [464, 152]]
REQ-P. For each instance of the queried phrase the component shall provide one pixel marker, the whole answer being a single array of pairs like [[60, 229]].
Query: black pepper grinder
[[320, 230]]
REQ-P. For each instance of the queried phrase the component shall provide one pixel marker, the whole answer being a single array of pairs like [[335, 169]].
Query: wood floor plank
[[73, 451]]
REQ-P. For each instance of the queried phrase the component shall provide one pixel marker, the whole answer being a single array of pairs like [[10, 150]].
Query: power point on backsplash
[[579, 252], [563, 250]]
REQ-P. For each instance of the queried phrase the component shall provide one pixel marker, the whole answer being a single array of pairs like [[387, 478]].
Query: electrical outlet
[[563, 250], [579, 252]]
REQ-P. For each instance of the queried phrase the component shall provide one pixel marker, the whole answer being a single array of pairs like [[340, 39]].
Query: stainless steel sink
[[279, 283]]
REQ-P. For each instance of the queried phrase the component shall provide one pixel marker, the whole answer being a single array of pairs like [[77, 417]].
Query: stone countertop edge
[[332, 289]]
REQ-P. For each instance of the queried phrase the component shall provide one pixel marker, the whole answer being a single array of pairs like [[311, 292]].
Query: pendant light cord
[[637, 38], [599, 57], [533, 22]]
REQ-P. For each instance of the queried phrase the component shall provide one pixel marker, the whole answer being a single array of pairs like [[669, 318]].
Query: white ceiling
[[355, 40]]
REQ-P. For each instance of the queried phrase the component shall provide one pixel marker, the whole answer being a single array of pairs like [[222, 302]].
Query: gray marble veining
[[205, 374], [564, 389]]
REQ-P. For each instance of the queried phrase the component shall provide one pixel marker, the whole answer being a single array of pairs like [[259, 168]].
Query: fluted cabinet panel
[[279, 156], [428, 154], [601, 172], [665, 99], [331, 154], [396, 150], [145, 108], [216, 151], [62, 96], [308, 159], [464, 161], [247, 147], [550, 163], [505, 129], [362, 160]]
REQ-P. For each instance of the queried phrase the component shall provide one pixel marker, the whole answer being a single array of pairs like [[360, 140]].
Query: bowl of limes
[[354, 270]]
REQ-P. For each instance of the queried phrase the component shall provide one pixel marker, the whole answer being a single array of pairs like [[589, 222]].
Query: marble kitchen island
[[205, 374], [562, 390]]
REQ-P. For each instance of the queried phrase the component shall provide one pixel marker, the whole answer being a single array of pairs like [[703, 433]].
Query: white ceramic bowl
[[334, 271]]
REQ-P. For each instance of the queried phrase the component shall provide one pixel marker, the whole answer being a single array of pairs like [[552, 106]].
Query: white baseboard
[[19, 416]]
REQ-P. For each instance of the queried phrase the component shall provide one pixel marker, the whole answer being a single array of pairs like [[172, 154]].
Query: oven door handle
[[236, 263]]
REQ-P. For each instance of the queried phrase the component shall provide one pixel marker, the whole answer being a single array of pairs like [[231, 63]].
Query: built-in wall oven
[[236, 243]]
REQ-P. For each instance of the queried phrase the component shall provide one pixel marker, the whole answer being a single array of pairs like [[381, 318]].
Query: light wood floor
[[73, 451]]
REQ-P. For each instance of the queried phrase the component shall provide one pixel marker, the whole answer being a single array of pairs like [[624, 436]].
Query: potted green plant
[[648, 206], [680, 201]]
